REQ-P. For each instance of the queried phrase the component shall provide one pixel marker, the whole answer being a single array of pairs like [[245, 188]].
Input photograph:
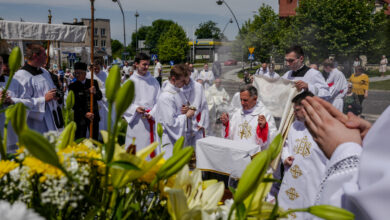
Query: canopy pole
[[92, 71]]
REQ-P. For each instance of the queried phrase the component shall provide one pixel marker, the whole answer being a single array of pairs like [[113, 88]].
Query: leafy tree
[[141, 32], [158, 28], [173, 44], [208, 29], [116, 48], [345, 28]]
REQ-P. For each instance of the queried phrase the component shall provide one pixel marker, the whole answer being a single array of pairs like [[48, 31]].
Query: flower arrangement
[[60, 178]]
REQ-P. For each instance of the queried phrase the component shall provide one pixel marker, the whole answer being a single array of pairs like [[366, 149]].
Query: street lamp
[[136, 31], [123, 17], [220, 2]]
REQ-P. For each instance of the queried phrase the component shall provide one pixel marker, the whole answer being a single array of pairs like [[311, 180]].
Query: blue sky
[[187, 13]]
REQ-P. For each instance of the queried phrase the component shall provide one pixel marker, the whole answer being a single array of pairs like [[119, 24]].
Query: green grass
[[380, 85], [372, 73]]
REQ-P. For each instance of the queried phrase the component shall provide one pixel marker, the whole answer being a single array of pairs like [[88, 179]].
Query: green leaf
[[175, 163], [178, 145], [276, 146], [14, 60], [39, 147], [240, 211], [331, 212], [123, 165]]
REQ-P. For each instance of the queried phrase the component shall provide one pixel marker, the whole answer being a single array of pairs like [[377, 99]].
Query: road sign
[[251, 50], [125, 53], [251, 56], [171, 62], [72, 56], [154, 57]]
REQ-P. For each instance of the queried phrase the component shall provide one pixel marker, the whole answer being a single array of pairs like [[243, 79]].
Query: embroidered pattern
[[295, 171], [292, 193], [245, 130], [303, 147]]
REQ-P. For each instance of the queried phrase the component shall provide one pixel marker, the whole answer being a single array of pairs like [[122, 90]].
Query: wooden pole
[[92, 71], [48, 46]]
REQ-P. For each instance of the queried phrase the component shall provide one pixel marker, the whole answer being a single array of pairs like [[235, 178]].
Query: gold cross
[[295, 171], [292, 194]]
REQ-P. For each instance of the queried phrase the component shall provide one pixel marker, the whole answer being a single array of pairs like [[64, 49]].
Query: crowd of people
[[321, 153]]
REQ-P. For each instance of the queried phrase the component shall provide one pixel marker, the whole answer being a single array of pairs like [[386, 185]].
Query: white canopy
[[15, 30]]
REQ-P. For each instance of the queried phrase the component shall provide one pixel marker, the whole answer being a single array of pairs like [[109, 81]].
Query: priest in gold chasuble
[[252, 123]]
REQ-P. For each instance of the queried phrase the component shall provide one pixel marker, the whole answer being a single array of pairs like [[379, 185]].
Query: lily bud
[[14, 61], [160, 130], [113, 83], [18, 118], [67, 136], [331, 212], [124, 98], [70, 100]]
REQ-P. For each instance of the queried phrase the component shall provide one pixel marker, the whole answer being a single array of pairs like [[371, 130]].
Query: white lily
[[188, 200]]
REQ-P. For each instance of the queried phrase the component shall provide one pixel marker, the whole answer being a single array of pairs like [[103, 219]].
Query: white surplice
[[194, 74], [146, 92], [207, 77], [338, 87], [243, 126], [357, 178], [13, 91], [272, 75], [315, 80], [40, 114], [103, 105], [168, 113], [194, 96], [301, 181]]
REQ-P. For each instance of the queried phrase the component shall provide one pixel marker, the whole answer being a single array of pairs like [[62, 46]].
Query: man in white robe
[[271, 73], [39, 92], [304, 164], [194, 72], [169, 110], [305, 78], [139, 116], [357, 176], [252, 123], [195, 98], [263, 70], [100, 76], [218, 96], [207, 76], [338, 85]]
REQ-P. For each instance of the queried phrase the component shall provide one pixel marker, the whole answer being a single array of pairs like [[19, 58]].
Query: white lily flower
[[188, 200], [17, 211]]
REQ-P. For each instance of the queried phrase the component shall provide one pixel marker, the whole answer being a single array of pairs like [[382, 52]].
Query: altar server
[[338, 85], [207, 76], [141, 123], [169, 109]]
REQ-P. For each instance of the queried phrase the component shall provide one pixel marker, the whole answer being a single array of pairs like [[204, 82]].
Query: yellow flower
[[6, 166], [83, 152], [38, 167], [151, 174]]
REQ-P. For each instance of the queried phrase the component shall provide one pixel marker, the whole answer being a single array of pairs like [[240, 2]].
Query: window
[[103, 43], [103, 32], [96, 31], [95, 43]]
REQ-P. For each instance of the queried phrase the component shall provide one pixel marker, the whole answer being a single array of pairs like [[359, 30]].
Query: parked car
[[230, 62]]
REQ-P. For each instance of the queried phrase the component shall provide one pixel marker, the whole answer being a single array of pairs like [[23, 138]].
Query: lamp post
[[48, 44], [220, 2], [230, 21], [123, 17], [136, 31]]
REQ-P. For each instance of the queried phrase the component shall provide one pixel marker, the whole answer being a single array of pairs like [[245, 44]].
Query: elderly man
[[338, 85], [304, 77], [252, 124]]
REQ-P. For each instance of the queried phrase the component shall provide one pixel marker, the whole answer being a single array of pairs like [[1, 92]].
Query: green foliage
[[345, 28], [116, 48], [173, 44], [140, 35], [208, 29], [155, 32]]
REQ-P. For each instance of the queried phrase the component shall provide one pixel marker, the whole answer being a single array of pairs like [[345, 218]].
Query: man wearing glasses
[[305, 78], [82, 91]]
